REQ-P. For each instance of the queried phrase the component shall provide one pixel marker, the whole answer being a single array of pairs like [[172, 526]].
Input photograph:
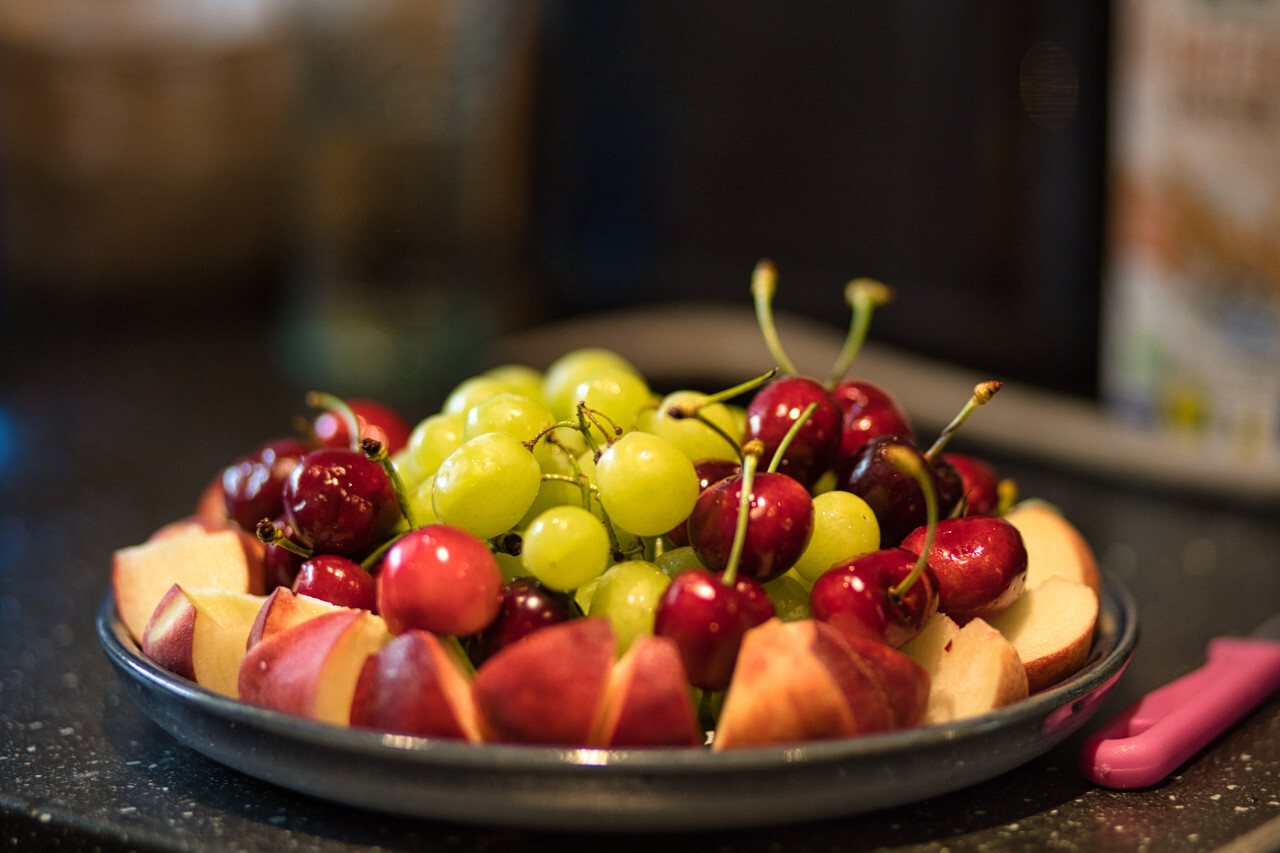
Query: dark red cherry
[[773, 411], [757, 606], [980, 563], [253, 485], [710, 472], [704, 616], [779, 524], [337, 580], [527, 605], [894, 496], [856, 597], [868, 411], [339, 502]]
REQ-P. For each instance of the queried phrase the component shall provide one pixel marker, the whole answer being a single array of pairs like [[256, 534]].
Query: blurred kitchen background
[[1082, 196]]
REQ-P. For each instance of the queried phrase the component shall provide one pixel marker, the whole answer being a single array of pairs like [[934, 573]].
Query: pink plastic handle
[[1169, 725]]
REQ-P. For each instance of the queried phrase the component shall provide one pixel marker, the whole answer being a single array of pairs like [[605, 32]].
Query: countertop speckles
[[120, 425]]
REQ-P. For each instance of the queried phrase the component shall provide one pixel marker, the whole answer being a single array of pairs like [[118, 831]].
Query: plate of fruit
[[566, 601]]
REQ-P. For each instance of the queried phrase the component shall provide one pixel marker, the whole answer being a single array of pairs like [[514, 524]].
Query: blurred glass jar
[[142, 145], [412, 191]]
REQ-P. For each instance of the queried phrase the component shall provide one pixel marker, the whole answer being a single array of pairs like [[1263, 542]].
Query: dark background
[[953, 150]]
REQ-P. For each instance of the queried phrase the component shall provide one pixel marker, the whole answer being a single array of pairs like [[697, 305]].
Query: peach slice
[[1051, 626], [200, 634], [648, 701], [417, 685], [311, 668], [1054, 545], [548, 688], [282, 609], [194, 558], [972, 670]]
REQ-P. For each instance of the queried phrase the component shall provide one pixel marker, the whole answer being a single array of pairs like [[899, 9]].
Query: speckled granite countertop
[[109, 429]]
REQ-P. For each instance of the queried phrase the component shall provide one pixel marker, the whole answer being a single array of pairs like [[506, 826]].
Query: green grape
[[470, 391], [844, 526], [678, 560], [582, 595], [421, 505], [647, 486], [506, 411], [553, 491], [790, 596], [432, 439], [565, 547], [694, 438], [616, 393], [826, 482], [563, 376], [518, 378], [510, 565], [627, 595], [486, 485], [406, 470]]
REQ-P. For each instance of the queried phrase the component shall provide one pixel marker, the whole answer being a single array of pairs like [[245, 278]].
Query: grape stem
[[764, 284], [982, 394], [864, 296], [792, 432], [750, 461], [908, 463], [325, 400], [377, 452]]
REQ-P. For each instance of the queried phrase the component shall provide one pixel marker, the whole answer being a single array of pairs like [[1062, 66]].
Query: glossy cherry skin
[[337, 580], [774, 410], [253, 485], [705, 618], [894, 496], [868, 411], [779, 524], [980, 563], [375, 419], [710, 472], [439, 578], [854, 597], [980, 483], [338, 502], [527, 605]]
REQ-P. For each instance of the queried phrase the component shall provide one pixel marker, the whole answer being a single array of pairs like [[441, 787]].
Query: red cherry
[[710, 472], [337, 580], [704, 616], [980, 563], [253, 485], [439, 578], [774, 410], [868, 411], [338, 502], [376, 420], [757, 606], [857, 597], [893, 495], [979, 482], [779, 524]]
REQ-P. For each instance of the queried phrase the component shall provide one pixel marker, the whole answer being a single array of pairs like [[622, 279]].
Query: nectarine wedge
[[200, 635], [972, 670], [1051, 626]]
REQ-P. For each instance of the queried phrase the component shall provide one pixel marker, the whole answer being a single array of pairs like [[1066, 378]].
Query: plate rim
[[1104, 666]]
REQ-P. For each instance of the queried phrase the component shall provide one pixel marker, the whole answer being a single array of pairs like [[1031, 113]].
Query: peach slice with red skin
[[1051, 626], [973, 669], [648, 702], [416, 685], [200, 634]]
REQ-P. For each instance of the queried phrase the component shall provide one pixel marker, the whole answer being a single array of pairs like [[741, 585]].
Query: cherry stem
[[982, 394], [792, 432], [269, 533], [750, 460], [377, 452], [864, 296], [325, 400], [910, 464], [764, 283]]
